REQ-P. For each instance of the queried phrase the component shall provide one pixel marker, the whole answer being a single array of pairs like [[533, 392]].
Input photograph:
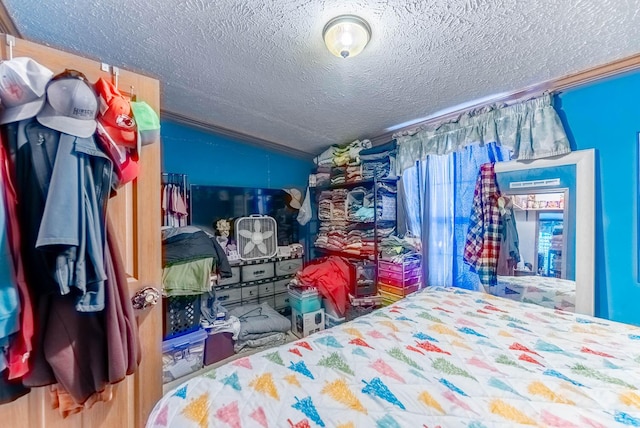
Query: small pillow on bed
[[257, 319]]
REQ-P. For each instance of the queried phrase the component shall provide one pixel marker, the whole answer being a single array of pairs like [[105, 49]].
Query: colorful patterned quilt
[[545, 291], [439, 358]]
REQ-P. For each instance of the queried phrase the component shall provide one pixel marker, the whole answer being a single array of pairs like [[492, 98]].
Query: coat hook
[[115, 71], [132, 93], [11, 42]]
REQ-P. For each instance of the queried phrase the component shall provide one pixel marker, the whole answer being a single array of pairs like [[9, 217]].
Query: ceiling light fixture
[[346, 35]]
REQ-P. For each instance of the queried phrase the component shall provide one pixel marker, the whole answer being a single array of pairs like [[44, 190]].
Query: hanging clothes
[[180, 207], [482, 245], [16, 318], [80, 352], [509, 254], [20, 346], [9, 304], [174, 200]]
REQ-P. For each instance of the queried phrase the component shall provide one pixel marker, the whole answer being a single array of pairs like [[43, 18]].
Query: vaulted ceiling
[[260, 67]]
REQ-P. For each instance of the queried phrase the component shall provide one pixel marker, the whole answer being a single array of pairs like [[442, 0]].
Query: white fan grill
[[256, 237]]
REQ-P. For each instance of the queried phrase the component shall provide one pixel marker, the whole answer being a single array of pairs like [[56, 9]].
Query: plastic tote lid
[[184, 340]]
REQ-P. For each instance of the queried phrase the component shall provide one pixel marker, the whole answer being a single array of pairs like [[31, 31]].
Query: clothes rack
[[175, 199]]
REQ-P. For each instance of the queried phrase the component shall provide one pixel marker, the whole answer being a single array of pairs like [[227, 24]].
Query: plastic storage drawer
[[249, 293], [397, 280], [182, 355], [228, 295], [399, 276], [257, 272], [366, 289], [269, 300], [281, 286], [399, 291], [235, 277], [304, 303], [288, 267], [282, 301], [266, 289], [365, 279], [389, 298], [407, 266]]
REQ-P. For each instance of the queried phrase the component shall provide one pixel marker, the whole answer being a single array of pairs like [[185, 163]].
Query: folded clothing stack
[[344, 155], [354, 173], [396, 249], [386, 206], [338, 175], [189, 256], [325, 205], [379, 162], [260, 325], [323, 175], [339, 201], [360, 205]]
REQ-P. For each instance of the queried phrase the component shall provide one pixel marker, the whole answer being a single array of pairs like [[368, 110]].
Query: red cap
[[115, 114], [125, 167]]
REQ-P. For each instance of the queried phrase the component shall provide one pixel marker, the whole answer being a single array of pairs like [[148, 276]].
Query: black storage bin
[[364, 282], [181, 315], [354, 312]]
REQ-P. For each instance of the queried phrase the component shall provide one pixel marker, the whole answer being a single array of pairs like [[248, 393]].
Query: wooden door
[[135, 212]]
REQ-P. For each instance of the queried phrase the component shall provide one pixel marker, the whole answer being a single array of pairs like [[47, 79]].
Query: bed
[[441, 357], [545, 291]]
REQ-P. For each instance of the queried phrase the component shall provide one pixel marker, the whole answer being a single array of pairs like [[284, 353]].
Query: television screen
[[212, 203]]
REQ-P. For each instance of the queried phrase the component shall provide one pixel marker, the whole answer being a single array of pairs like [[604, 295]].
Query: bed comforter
[[441, 357], [545, 291]]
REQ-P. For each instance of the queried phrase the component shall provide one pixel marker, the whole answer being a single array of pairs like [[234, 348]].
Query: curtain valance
[[531, 129]]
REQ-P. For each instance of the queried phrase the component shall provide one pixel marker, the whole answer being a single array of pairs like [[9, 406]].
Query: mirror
[[552, 203], [541, 218]]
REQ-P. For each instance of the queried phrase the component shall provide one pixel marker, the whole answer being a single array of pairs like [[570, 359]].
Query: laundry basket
[[256, 237], [181, 315]]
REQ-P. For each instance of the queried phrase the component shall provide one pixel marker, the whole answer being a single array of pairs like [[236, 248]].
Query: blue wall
[[606, 116], [213, 160], [603, 115]]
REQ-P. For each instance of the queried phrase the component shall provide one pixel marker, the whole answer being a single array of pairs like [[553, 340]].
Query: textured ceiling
[[260, 66]]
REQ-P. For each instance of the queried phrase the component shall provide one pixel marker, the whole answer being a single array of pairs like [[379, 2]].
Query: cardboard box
[[303, 325]]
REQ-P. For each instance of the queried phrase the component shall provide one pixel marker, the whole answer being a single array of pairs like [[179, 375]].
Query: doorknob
[[145, 298]]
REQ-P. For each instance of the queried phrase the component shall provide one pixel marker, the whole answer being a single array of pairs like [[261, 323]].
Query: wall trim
[[229, 133], [561, 84]]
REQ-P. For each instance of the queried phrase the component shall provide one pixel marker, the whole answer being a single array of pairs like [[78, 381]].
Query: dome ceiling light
[[346, 35]]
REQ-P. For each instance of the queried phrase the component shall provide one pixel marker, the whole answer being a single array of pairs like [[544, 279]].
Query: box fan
[[256, 237]]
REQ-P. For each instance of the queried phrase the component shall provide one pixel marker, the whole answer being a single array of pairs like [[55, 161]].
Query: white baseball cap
[[23, 83], [71, 106]]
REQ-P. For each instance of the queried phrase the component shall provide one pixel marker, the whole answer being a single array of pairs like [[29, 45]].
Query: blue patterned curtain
[[438, 195], [530, 129]]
